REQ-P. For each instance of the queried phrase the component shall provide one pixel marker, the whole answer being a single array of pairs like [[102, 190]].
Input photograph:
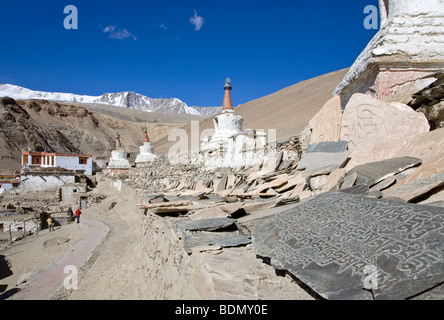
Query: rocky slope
[[66, 128]]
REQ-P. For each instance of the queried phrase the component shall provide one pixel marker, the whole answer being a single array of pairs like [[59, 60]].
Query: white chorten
[[227, 125], [118, 158], [146, 154], [230, 146], [403, 57]]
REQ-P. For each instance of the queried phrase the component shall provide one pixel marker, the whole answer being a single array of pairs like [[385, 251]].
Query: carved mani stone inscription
[[347, 246], [367, 122]]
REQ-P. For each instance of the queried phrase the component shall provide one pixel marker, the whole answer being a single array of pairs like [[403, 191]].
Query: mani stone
[[326, 124], [334, 180], [374, 172], [428, 168], [423, 146], [336, 243], [367, 122]]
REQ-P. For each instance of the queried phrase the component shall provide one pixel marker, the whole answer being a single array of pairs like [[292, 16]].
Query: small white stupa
[[118, 158], [146, 154]]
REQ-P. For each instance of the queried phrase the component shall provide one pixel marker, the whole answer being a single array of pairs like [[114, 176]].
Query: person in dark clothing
[[70, 214]]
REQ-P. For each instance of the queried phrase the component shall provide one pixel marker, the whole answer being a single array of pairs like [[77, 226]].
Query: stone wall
[[164, 174], [37, 182]]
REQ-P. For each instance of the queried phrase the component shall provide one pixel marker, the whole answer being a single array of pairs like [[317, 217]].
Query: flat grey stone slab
[[223, 239], [361, 189], [384, 184], [413, 190], [328, 146], [339, 243], [349, 180], [374, 172], [208, 224], [314, 161]]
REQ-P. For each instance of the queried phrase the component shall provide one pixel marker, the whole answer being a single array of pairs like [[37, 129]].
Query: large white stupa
[[230, 146]]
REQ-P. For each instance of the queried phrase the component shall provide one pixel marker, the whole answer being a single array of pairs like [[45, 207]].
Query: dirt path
[[115, 271], [30, 257], [107, 267], [43, 285]]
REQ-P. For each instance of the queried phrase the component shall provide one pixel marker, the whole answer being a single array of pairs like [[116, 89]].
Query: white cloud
[[196, 21], [116, 33], [163, 27]]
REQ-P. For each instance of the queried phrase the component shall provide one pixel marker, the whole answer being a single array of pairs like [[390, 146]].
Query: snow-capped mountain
[[122, 99]]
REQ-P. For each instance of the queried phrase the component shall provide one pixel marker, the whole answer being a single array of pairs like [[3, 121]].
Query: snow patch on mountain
[[127, 99]]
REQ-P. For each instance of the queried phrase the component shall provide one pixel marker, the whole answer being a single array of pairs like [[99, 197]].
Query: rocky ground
[[137, 260]]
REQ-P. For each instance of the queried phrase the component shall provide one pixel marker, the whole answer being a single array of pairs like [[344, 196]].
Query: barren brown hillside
[[288, 110], [68, 128]]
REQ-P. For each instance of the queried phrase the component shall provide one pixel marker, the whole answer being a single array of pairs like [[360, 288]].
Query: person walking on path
[[78, 213], [50, 224]]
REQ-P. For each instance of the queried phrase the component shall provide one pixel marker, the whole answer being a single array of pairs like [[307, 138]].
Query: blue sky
[[183, 49]]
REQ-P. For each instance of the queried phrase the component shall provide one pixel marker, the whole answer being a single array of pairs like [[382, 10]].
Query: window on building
[[83, 160], [35, 160]]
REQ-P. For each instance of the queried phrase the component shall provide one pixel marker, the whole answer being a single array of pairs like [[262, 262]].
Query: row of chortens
[[228, 147]]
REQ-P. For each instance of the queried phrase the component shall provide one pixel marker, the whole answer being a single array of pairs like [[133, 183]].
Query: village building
[[79, 163], [9, 181]]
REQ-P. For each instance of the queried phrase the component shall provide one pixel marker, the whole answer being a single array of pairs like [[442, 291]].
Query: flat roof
[[31, 153]]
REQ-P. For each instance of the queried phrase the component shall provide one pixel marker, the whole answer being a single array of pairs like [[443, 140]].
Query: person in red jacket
[[78, 213]]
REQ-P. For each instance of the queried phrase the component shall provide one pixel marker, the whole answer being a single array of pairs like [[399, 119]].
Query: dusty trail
[[104, 246], [115, 271]]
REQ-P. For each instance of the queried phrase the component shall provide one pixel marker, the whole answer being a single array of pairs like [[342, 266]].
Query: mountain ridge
[[126, 99]]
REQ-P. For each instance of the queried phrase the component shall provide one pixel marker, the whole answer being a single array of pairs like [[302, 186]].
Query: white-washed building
[[75, 162]]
